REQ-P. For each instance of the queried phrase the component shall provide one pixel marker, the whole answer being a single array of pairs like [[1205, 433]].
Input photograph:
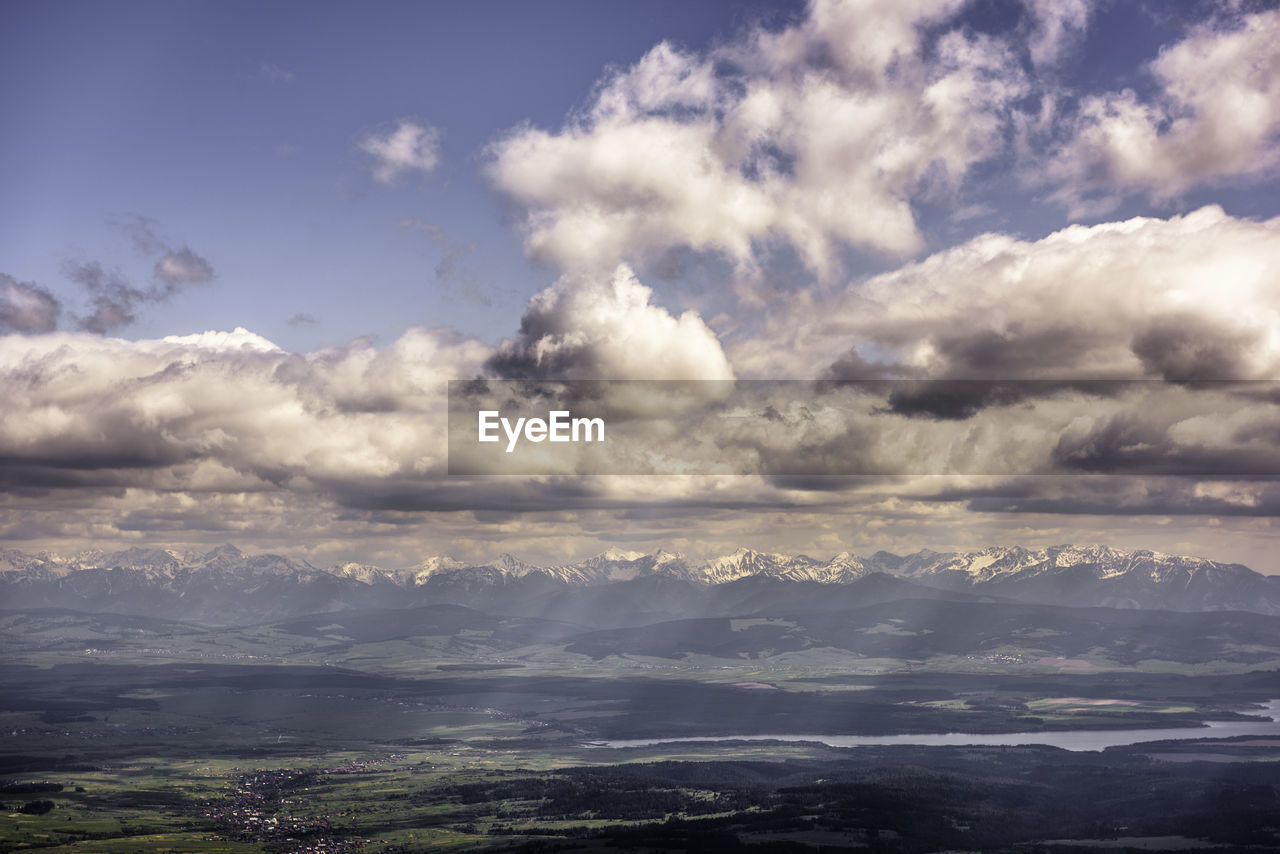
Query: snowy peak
[[1088, 575], [616, 555], [618, 565], [509, 564], [364, 573], [432, 566], [747, 562]]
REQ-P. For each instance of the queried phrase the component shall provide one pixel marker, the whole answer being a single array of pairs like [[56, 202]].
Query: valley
[[483, 723]]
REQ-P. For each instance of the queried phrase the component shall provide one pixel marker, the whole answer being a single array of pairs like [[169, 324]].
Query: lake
[[1066, 739]]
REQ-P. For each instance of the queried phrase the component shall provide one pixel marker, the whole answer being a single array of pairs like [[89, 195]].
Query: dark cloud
[[958, 400], [959, 388], [142, 232], [851, 366], [26, 307], [418, 495], [822, 482], [19, 476], [114, 299], [108, 313], [1134, 443], [1114, 495], [1015, 351], [521, 360], [1186, 347], [302, 318], [952, 400], [183, 267]]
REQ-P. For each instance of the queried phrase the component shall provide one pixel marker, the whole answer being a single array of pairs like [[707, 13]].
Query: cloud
[[223, 435], [1215, 115], [26, 307], [183, 267], [411, 146], [114, 299], [1185, 298], [817, 136], [174, 268], [275, 73], [157, 414], [1057, 27], [584, 327], [1114, 496], [302, 318], [143, 232]]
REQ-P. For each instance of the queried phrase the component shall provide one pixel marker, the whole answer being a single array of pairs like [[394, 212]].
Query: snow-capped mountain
[[1099, 575], [197, 585], [746, 563]]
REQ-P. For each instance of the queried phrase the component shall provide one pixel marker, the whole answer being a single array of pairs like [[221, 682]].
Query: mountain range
[[224, 586]]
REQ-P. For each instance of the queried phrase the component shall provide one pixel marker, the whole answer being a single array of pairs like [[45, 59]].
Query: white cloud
[[411, 146], [1191, 296], [1057, 27], [1216, 115], [138, 414], [817, 136], [609, 328]]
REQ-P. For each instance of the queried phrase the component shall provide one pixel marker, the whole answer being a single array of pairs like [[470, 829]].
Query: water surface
[[1066, 739]]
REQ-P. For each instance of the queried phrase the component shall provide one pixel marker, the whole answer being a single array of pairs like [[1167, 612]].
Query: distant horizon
[[693, 558]]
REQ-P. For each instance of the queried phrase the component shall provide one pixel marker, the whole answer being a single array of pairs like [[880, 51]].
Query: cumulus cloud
[[1190, 297], [409, 147], [1215, 115], [160, 414], [26, 307], [608, 328], [819, 135]]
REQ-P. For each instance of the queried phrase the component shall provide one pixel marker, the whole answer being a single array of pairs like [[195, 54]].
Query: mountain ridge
[[1086, 576]]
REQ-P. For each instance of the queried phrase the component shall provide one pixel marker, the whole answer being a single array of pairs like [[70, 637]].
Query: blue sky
[[383, 197], [236, 128]]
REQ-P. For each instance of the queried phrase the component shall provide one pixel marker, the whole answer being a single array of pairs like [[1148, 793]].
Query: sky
[[245, 246]]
